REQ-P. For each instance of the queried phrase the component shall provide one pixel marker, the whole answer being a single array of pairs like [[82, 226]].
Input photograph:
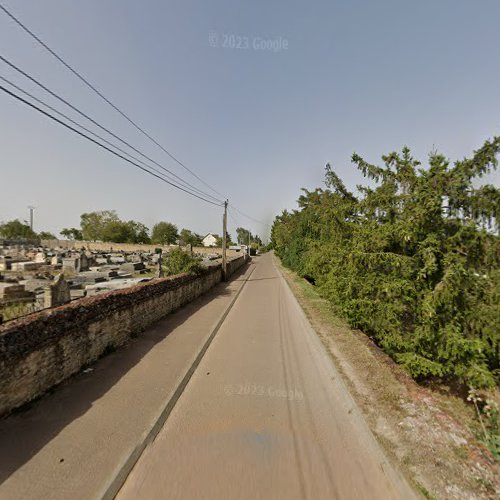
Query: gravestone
[[5, 262], [25, 266], [131, 267], [55, 260], [84, 262], [57, 293], [116, 259], [40, 258], [71, 264], [134, 258]]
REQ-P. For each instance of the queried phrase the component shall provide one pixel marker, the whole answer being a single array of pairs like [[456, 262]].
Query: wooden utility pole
[[224, 243], [160, 268]]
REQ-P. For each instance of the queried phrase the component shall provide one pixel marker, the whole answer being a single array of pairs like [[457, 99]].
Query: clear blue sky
[[365, 76]]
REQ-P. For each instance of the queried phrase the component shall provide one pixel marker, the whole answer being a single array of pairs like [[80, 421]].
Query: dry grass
[[428, 433]]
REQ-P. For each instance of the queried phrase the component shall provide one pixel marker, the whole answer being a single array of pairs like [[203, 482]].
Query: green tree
[[45, 235], [413, 260], [15, 229], [219, 240], [164, 233], [141, 233], [72, 233], [178, 261], [93, 224], [107, 226], [245, 236], [117, 231], [138, 232], [188, 237]]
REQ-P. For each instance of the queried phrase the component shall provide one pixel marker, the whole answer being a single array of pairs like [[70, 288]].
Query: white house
[[210, 240]]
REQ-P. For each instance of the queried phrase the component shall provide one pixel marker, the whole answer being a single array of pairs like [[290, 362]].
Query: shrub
[[412, 260], [178, 261]]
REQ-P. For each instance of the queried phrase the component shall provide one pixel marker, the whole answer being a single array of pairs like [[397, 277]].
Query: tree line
[[106, 225], [411, 259], [21, 230], [245, 237]]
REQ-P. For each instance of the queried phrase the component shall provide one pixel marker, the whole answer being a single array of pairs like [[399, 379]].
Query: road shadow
[[27, 430]]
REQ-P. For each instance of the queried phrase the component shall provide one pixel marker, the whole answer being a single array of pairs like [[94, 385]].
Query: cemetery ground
[[35, 277], [433, 434]]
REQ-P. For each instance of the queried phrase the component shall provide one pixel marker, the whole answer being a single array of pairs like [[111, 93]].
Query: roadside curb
[[148, 437]]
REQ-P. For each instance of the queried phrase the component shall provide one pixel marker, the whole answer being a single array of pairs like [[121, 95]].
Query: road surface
[[265, 415]]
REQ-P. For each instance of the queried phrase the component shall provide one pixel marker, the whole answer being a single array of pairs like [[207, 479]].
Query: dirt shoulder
[[427, 433]]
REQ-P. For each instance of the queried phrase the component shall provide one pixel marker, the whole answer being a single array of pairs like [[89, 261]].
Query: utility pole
[[224, 241], [160, 264], [248, 243], [31, 216]]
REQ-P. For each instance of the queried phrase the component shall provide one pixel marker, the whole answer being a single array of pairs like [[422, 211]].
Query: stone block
[[40, 257], [35, 284], [130, 267], [57, 293], [55, 260], [25, 266], [14, 291], [71, 264], [84, 262]]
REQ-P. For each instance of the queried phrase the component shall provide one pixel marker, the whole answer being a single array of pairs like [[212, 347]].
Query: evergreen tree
[[412, 260]]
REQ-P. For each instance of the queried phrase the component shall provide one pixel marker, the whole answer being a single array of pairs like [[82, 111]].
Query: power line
[[92, 87], [250, 217], [64, 101], [80, 112], [123, 114], [34, 80], [235, 220], [19, 98], [74, 122]]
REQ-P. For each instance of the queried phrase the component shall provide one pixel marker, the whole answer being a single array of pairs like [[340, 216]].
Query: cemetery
[[40, 275]]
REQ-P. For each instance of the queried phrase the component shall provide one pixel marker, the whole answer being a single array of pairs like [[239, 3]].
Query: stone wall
[[127, 247], [10, 243], [43, 349]]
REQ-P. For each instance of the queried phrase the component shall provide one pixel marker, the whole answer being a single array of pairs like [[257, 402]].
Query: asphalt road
[[78, 441], [265, 415]]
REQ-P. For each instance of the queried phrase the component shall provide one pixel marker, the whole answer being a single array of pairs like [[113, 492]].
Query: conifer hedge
[[411, 259]]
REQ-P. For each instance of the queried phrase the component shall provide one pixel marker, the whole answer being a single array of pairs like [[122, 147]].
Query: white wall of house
[[209, 240]]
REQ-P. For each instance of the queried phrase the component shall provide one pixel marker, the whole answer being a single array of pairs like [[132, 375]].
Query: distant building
[[210, 240]]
